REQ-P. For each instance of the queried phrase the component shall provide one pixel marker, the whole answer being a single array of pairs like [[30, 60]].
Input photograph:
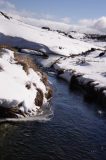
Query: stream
[[77, 131]]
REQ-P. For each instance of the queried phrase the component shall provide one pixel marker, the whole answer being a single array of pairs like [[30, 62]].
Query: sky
[[66, 10]]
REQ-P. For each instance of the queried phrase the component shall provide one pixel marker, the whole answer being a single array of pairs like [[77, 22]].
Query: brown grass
[[5, 46], [26, 62], [1, 69]]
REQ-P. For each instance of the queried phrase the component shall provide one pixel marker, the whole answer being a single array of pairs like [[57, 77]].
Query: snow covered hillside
[[16, 33]]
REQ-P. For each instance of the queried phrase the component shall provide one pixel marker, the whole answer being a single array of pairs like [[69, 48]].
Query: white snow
[[91, 66], [37, 38], [77, 35], [13, 80]]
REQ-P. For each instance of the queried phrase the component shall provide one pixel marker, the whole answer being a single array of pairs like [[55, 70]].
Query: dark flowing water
[[76, 132]]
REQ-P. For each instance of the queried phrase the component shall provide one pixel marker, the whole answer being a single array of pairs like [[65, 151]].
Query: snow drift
[[23, 90]]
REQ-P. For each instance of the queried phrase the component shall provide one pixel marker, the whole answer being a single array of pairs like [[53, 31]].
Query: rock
[[39, 98], [46, 28]]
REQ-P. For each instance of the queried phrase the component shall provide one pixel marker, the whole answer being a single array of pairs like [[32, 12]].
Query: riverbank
[[24, 88], [87, 72], [77, 130]]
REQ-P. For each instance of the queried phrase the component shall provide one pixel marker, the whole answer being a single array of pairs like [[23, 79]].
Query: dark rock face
[[46, 28], [96, 37], [59, 31], [65, 34], [10, 112], [70, 36], [60, 72], [5, 15], [102, 54], [28, 86], [90, 89], [39, 98], [88, 52], [1, 69], [73, 82]]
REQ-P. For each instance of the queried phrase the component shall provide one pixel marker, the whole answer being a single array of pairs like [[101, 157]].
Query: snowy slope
[[97, 27], [14, 82], [47, 41]]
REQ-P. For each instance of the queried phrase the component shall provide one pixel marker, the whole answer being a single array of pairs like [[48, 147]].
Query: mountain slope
[[16, 33]]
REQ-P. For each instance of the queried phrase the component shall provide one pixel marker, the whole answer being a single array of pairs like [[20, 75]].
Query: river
[[77, 131]]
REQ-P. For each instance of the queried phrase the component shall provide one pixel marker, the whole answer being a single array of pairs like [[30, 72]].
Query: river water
[[77, 131]]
